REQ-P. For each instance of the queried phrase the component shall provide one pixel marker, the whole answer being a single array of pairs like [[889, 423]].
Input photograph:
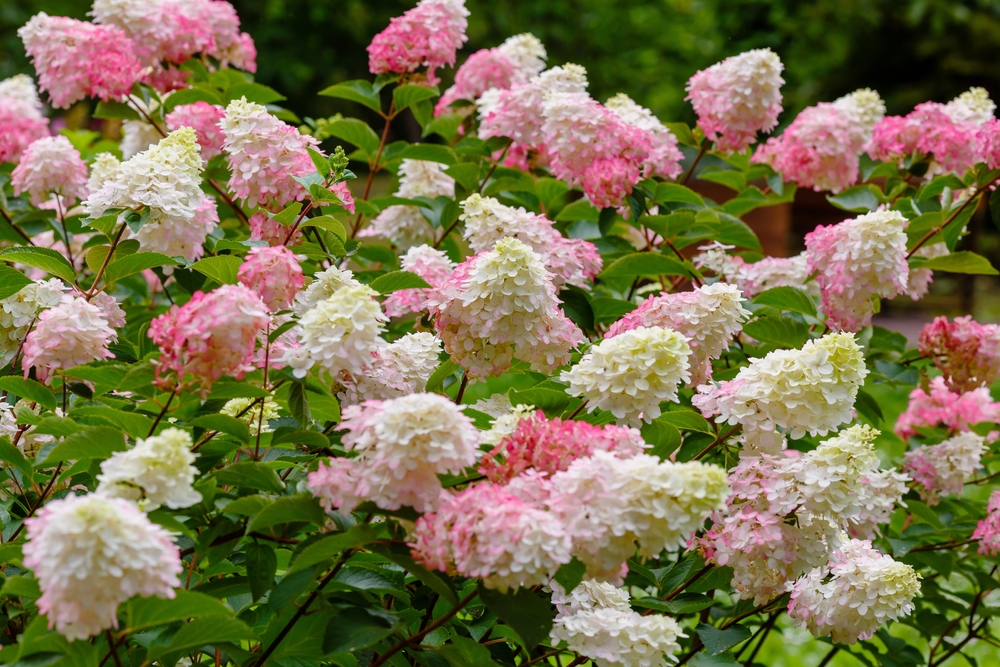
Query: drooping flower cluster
[[402, 445], [405, 225], [939, 406], [204, 119], [274, 273], [430, 264], [426, 36], [811, 390], [211, 336], [487, 221], [400, 368], [72, 333], [516, 61], [856, 260], [945, 467], [865, 590], [966, 352], [550, 445], [166, 179], [595, 620], [499, 305], [988, 529], [51, 166], [708, 317], [90, 554], [158, 469], [75, 59], [19, 312], [821, 148], [21, 119], [632, 373], [264, 154], [754, 278], [738, 97]]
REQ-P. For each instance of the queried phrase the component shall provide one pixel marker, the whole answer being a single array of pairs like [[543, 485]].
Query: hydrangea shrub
[[543, 404]]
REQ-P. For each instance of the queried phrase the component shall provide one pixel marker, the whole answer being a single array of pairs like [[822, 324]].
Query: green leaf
[[300, 437], [132, 264], [95, 442], [675, 192], [115, 111], [962, 261], [570, 575], [644, 264], [358, 91], [868, 407], [705, 659], [288, 509], [11, 281], [398, 280], [190, 96], [327, 222], [250, 475], [133, 423], [204, 631], [548, 400], [298, 405], [688, 420], [436, 581], [732, 230], [141, 613], [924, 513], [608, 309], [46, 259], [430, 153], [529, 615], [787, 298], [29, 389], [408, 94], [254, 92], [663, 436], [717, 641], [262, 564], [354, 629], [779, 330], [330, 545], [859, 199], [581, 209], [12, 455], [223, 424], [357, 133], [437, 378], [22, 586], [576, 305], [465, 652], [222, 269], [236, 389], [689, 603]]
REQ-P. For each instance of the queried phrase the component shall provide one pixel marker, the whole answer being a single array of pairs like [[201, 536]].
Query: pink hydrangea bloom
[[966, 352], [427, 35], [430, 264], [211, 336], [73, 333], [274, 273], [109, 307], [945, 467], [856, 260], [988, 530], [264, 155], [265, 228], [204, 119], [51, 166], [345, 196], [737, 97], [988, 143], [514, 62], [941, 406], [550, 445], [21, 119], [927, 129], [819, 150], [75, 60]]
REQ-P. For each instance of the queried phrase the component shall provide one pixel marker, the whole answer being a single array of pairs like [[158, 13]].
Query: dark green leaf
[[288, 509], [96, 442], [663, 436], [204, 631], [445, 370], [429, 152], [548, 400], [327, 222], [250, 475], [357, 132], [313, 439], [787, 298], [576, 305], [529, 615], [133, 423], [465, 652], [222, 269], [674, 192], [570, 575], [11, 281], [644, 264], [29, 389], [868, 407], [859, 199], [354, 629], [779, 330], [262, 563], [223, 424], [115, 111], [608, 309], [687, 420], [12, 455], [254, 92], [332, 544], [148, 612], [705, 659], [398, 280], [411, 93], [298, 404], [190, 96], [581, 209], [717, 641], [963, 261], [132, 264], [357, 91], [46, 259]]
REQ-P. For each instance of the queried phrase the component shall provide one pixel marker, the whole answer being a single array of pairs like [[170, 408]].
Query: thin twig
[[496, 163], [17, 229], [829, 657], [38, 503], [374, 166], [721, 438], [107, 259], [461, 389], [697, 159], [937, 230], [415, 638], [162, 412], [114, 650]]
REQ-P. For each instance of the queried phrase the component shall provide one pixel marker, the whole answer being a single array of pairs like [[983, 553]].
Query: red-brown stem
[[159, 417], [374, 166], [16, 228], [104, 265], [937, 230], [697, 159]]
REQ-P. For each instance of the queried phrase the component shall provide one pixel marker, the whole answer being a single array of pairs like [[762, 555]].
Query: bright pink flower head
[[265, 155], [427, 35], [988, 530], [265, 228], [73, 333], [430, 264], [75, 60], [21, 119], [51, 166], [966, 352], [484, 69], [550, 445], [204, 119], [892, 139], [954, 411], [346, 198], [988, 143], [274, 273], [928, 129], [737, 97], [211, 336]]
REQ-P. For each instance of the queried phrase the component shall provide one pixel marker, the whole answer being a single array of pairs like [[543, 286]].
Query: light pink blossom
[[988, 529], [51, 166], [73, 333], [21, 119], [204, 119], [273, 273], [965, 351], [941, 406], [430, 264], [426, 36]]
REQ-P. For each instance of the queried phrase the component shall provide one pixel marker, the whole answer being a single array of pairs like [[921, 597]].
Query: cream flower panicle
[[158, 469]]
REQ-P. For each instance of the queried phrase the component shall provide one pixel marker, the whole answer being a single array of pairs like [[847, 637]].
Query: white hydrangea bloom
[[158, 469], [398, 369], [405, 225], [249, 410], [339, 333], [20, 310], [632, 373], [972, 106], [137, 136], [103, 169], [665, 156], [526, 52], [945, 467], [811, 390], [828, 477], [29, 441], [864, 107], [866, 590], [20, 89], [90, 554], [589, 594], [322, 287], [878, 494], [505, 423], [521, 120], [616, 637]]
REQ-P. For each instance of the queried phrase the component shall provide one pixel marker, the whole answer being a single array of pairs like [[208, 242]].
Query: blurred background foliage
[[908, 50]]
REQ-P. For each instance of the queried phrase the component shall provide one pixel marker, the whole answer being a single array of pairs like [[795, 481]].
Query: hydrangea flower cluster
[[516, 61], [51, 166], [21, 118], [945, 467], [988, 529], [158, 469], [274, 273], [72, 333], [402, 445], [754, 278], [966, 352], [501, 304], [430, 264], [426, 36], [398, 369], [941, 406], [204, 119], [405, 225]]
